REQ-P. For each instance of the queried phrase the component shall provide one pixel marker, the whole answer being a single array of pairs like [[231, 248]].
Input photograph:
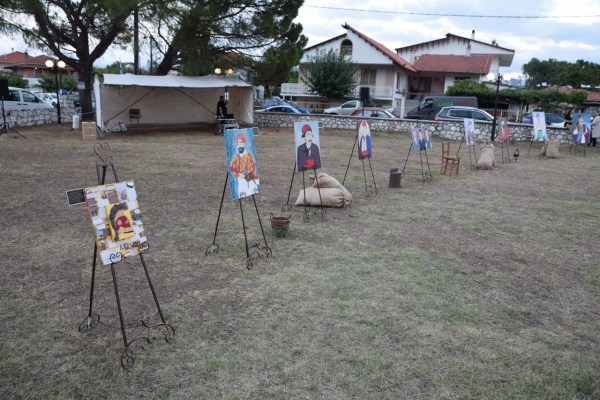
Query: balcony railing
[[299, 89]]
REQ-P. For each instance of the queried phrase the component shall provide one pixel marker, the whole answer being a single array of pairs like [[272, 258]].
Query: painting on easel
[[241, 163], [470, 131], [116, 220], [306, 135], [364, 140], [581, 128], [539, 126], [503, 135]]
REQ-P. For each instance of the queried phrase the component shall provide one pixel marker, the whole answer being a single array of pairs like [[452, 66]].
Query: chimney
[[412, 56], [26, 56], [469, 50], [473, 34]]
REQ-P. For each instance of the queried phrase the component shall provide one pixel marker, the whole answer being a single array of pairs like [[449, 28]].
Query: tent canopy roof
[[208, 81]]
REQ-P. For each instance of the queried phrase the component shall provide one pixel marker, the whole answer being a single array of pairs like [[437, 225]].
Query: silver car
[[345, 109]]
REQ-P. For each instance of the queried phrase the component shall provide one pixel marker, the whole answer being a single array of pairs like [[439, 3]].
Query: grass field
[[484, 285]]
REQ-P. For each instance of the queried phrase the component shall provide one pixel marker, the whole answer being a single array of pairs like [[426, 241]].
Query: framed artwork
[[470, 131], [116, 220], [503, 135], [306, 135], [241, 163], [364, 140], [415, 136], [581, 128], [426, 138], [539, 126]]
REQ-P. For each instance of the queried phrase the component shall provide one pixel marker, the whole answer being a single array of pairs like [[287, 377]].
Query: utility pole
[[136, 41]]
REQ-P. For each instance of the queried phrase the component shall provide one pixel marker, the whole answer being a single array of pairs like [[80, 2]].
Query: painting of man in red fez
[[243, 168], [364, 140], [308, 156]]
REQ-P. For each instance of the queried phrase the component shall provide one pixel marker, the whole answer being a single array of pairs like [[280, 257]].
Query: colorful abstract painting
[[364, 140], [306, 136], [117, 221], [241, 163]]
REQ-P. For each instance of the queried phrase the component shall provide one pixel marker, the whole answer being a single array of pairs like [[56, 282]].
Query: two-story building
[[441, 62], [432, 66], [30, 67], [382, 70]]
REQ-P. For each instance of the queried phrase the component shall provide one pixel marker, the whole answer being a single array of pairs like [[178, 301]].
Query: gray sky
[[567, 39]]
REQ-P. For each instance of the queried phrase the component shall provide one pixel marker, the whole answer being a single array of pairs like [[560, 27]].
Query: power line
[[457, 15]]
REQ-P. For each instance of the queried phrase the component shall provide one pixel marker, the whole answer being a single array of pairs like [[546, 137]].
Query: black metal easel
[[145, 331], [5, 126], [531, 144], [373, 190], [425, 175], [288, 207], [252, 251]]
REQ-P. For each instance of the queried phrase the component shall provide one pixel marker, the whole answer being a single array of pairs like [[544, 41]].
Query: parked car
[[430, 106], [48, 98], [555, 120], [279, 102], [281, 109], [457, 112], [372, 112], [77, 102], [345, 109], [21, 99]]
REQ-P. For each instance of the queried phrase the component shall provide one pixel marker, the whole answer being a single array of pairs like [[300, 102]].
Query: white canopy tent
[[171, 99]]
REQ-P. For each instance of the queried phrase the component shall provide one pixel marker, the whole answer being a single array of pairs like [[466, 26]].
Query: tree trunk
[[85, 95]]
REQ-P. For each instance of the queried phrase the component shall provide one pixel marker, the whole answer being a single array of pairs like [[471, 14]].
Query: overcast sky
[[568, 38]]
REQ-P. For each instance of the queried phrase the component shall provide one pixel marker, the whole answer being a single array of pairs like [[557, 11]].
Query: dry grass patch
[[484, 285]]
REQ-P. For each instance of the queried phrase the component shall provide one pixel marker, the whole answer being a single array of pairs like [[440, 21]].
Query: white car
[[345, 109], [281, 109], [21, 99], [48, 98]]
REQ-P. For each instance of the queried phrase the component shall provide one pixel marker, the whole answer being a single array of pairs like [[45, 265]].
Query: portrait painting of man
[[364, 140], [306, 135], [539, 125], [426, 139], [470, 131], [241, 160], [581, 128], [502, 130]]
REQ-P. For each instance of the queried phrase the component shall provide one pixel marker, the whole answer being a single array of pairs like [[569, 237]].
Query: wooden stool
[[453, 162]]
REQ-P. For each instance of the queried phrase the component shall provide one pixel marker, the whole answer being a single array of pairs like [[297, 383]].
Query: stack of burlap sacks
[[550, 149], [486, 159], [333, 193]]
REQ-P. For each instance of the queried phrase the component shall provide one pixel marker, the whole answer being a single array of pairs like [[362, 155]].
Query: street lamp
[[492, 78], [60, 64]]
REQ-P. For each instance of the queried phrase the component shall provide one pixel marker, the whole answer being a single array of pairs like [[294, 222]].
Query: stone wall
[[447, 129], [16, 118]]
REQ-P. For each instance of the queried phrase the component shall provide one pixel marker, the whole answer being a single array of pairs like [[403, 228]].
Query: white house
[[383, 71]]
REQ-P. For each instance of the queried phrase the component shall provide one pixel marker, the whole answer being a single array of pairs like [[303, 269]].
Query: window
[[13, 95], [346, 48], [367, 77], [424, 85], [350, 104], [30, 98], [460, 113], [428, 103], [479, 116]]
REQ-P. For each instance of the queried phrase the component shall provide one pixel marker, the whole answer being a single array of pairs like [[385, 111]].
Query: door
[[13, 102], [30, 101], [348, 107]]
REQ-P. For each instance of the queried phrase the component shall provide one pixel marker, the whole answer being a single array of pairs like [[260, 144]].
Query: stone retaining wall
[[16, 118], [448, 129]]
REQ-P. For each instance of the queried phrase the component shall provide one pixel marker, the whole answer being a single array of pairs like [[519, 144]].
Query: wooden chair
[[134, 113], [447, 160]]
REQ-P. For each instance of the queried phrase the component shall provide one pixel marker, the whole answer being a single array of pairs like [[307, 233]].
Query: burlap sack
[[544, 149], [552, 150], [486, 160], [331, 197], [327, 181]]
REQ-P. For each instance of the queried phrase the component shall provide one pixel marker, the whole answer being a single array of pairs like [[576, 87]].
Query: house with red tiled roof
[[441, 62], [30, 67], [591, 104], [383, 71]]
